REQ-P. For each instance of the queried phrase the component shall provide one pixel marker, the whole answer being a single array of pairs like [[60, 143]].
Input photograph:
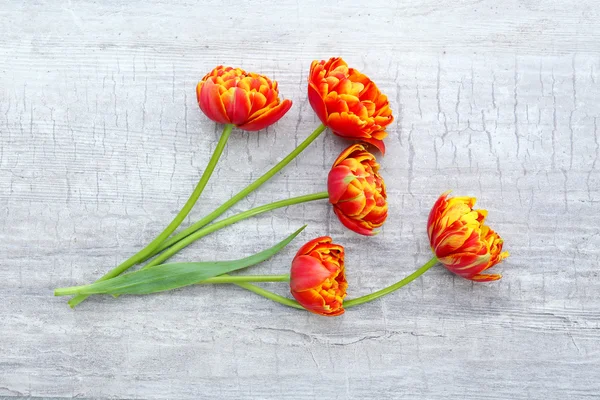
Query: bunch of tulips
[[351, 106]]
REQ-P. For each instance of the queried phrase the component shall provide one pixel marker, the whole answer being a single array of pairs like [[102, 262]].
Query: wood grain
[[101, 141]]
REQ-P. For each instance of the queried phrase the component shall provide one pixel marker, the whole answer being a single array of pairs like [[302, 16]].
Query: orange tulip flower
[[461, 241], [348, 102], [233, 96], [317, 279], [357, 191]]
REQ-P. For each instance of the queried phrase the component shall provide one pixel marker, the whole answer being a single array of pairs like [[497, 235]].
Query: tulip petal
[[465, 264], [237, 104], [377, 143], [311, 245], [355, 207], [210, 102], [347, 125], [307, 273], [436, 212], [310, 299], [334, 63], [352, 224], [337, 182], [259, 100], [486, 277], [370, 92], [317, 103], [348, 153], [268, 118]]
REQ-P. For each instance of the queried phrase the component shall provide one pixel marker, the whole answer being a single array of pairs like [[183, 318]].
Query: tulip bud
[[233, 96], [357, 191], [460, 240], [317, 279], [348, 102]]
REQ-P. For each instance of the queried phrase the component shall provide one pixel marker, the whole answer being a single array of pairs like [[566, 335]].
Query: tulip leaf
[[173, 275]]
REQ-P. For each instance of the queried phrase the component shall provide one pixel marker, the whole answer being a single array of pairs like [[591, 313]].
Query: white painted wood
[[101, 142]]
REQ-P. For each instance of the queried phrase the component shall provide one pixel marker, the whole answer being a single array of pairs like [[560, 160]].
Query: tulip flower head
[[357, 191], [247, 100], [317, 279], [348, 102], [461, 241]]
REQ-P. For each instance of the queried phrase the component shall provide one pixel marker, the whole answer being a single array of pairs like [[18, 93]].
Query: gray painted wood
[[101, 141]]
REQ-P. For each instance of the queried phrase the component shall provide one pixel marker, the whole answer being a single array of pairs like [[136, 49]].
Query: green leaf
[[172, 276]]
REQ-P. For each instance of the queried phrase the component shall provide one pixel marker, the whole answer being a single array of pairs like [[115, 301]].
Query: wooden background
[[101, 142]]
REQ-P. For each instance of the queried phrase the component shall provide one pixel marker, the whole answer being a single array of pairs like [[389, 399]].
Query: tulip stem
[[186, 241], [208, 281], [347, 304], [245, 278], [392, 288], [151, 247], [157, 246], [270, 295], [243, 193]]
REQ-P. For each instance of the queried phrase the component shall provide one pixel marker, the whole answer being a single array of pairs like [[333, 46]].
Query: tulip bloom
[[461, 241], [348, 102], [317, 279], [357, 191], [247, 100]]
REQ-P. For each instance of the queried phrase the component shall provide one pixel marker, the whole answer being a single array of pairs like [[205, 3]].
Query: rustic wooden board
[[101, 141]]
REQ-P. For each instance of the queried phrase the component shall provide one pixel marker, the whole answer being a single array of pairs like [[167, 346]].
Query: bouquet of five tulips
[[352, 106]]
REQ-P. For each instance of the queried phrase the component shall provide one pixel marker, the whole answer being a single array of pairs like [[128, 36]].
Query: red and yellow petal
[[348, 153], [210, 102], [337, 182], [307, 273], [347, 125], [268, 118], [378, 143], [317, 103], [237, 104], [435, 214], [352, 224], [355, 210], [259, 101], [465, 264], [312, 244], [486, 277], [311, 300]]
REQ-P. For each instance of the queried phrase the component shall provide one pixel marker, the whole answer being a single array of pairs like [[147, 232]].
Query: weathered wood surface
[[101, 141]]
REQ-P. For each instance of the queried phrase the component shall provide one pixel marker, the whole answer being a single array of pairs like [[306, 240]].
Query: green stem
[[270, 295], [392, 288], [168, 253], [245, 278], [218, 225], [347, 304], [243, 193], [151, 247], [210, 217], [209, 281], [68, 291]]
